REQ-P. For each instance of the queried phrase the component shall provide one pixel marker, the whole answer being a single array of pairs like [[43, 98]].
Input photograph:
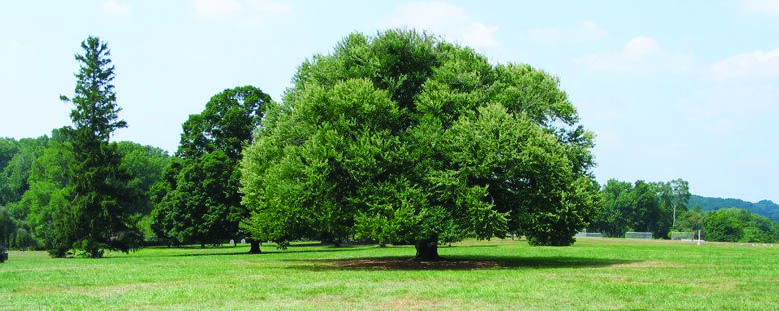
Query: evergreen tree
[[94, 218]]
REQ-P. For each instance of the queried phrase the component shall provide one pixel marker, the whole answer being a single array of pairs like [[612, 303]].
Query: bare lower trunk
[[255, 247], [427, 250]]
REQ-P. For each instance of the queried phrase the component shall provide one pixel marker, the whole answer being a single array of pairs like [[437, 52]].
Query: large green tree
[[404, 137], [96, 214], [197, 200]]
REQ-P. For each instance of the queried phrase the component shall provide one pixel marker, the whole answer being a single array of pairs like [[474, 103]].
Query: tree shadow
[[290, 250], [455, 263]]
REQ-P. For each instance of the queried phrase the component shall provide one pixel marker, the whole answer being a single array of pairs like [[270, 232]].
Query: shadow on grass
[[456, 263], [294, 249]]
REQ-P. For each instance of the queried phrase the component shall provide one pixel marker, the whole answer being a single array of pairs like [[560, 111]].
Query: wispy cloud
[[242, 12], [755, 64], [447, 20], [586, 31], [640, 55], [116, 8]]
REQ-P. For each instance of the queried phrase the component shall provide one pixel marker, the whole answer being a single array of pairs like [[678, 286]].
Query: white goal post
[[638, 235], [585, 234], [683, 236]]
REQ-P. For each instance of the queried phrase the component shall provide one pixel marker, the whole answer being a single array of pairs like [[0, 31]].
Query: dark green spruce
[[95, 216]]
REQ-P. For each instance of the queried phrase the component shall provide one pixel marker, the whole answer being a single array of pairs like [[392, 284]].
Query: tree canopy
[[405, 137], [642, 206], [197, 199], [738, 225]]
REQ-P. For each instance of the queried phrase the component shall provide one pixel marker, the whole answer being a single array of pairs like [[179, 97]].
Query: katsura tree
[[95, 216], [197, 199], [405, 137]]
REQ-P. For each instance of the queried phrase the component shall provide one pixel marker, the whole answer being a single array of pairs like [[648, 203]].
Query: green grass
[[594, 274]]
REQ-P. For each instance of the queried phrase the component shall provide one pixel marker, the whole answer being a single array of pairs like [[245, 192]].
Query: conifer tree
[[95, 218]]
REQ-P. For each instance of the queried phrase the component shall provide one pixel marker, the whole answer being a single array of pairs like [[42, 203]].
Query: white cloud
[[770, 7], [640, 55], [748, 65], [583, 32], [444, 19], [117, 8], [242, 12]]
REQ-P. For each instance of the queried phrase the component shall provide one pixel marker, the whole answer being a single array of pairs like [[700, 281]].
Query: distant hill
[[765, 207]]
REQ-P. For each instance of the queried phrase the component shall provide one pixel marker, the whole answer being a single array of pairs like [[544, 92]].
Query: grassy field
[[594, 274]]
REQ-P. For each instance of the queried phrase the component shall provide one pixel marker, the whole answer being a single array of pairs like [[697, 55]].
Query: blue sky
[[672, 89]]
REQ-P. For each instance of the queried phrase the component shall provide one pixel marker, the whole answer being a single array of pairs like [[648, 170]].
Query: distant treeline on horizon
[[765, 208]]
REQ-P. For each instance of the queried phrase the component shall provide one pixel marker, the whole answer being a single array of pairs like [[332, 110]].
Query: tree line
[[395, 138], [765, 208], [664, 207]]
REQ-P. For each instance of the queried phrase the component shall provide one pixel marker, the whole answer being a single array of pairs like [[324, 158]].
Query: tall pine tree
[[95, 218]]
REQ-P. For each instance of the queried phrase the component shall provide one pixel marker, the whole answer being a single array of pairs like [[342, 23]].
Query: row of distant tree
[[34, 177], [765, 208], [663, 207]]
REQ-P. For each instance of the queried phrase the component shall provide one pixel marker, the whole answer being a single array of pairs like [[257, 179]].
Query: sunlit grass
[[595, 274]]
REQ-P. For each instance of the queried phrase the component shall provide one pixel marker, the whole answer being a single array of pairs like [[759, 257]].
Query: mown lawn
[[594, 274]]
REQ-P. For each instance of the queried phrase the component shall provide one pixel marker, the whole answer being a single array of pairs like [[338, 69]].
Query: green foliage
[[196, 209], [95, 217], [738, 225], [403, 137], [197, 198], [145, 165], [16, 171], [766, 208], [644, 207], [8, 148], [47, 196], [691, 220], [23, 239], [7, 227]]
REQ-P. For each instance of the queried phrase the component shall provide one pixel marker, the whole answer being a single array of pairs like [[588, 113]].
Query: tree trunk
[[255, 247], [202, 245], [427, 250]]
